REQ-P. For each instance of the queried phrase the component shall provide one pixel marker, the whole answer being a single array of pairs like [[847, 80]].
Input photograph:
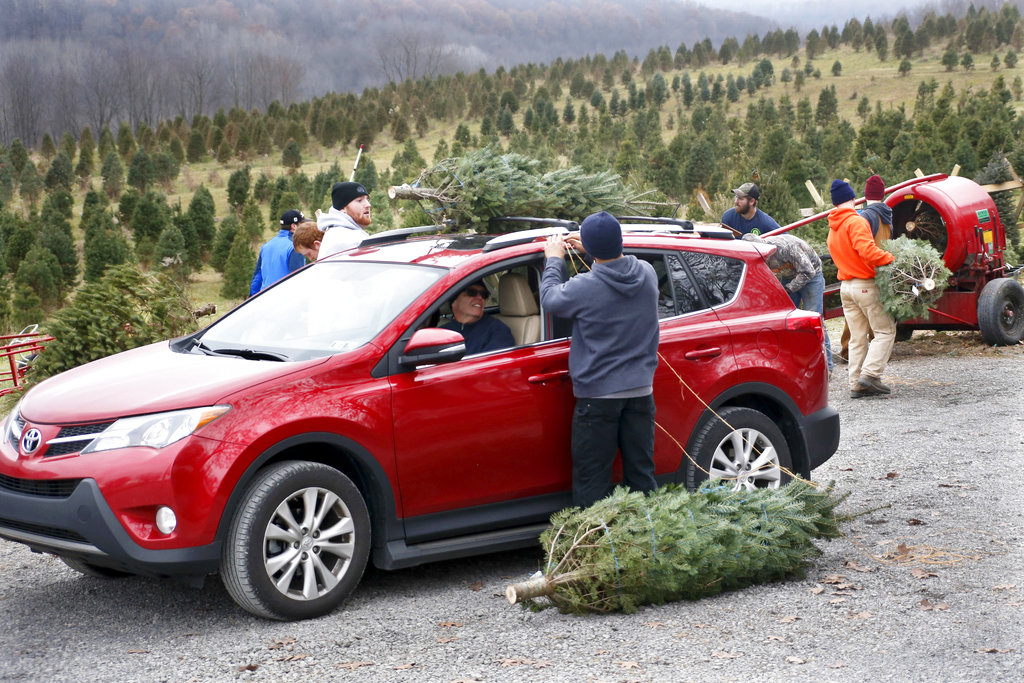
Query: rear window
[[718, 276]]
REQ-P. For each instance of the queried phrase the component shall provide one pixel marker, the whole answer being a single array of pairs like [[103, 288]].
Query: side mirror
[[433, 345]]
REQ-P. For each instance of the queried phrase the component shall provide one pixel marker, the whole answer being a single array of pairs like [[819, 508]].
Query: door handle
[[699, 354], [547, 376]]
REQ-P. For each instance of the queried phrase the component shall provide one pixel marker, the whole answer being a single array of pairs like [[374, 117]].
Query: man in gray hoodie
[[612, 357]]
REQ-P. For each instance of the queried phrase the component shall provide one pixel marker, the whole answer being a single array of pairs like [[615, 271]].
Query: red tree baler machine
[[959, 219]]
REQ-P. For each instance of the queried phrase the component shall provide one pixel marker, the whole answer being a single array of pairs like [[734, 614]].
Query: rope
[[618, 575], [654, 540]]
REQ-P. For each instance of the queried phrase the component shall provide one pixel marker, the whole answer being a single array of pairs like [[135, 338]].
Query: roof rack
[[661, 224], [400, 234], [552, 226]]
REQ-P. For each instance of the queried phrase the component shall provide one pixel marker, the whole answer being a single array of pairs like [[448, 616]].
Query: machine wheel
[[298, 543], [744, 448], [1001, 312], [94, 570], [903, 333]]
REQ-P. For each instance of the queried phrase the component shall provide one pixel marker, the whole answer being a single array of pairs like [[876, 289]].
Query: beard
[[363, 219]]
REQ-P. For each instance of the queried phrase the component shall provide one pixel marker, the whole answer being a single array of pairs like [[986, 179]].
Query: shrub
[[105, 249], [222, 244], [239, 268], [124, 309]]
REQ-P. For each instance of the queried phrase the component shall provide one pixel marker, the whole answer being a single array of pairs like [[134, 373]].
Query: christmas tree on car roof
[[484, 184]]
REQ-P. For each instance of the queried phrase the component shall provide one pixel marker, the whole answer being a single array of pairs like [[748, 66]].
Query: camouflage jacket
[[794, 261]]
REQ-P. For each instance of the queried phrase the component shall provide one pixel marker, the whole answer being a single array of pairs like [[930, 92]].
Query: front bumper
[[73, 520]]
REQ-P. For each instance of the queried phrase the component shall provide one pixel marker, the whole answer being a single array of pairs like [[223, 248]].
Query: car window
[[718, 276], [520, 311], [677, 293], [687, 297]]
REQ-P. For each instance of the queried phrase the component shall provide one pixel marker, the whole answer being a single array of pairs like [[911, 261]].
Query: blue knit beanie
[[601, 235], [841, 192]]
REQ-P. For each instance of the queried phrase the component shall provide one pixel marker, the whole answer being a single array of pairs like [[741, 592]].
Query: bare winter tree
[[199, 70], [64, 103], [101, 88], [141, 79], [23, 88], [288, 74], [413, 53], [237, 74]]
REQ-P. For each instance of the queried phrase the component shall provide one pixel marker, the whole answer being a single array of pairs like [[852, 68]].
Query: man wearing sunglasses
[[482, 332]]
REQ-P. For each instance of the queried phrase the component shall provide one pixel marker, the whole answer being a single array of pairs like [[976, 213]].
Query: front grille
[[47, 488], [41, 530], [79, 430], [71, 431]]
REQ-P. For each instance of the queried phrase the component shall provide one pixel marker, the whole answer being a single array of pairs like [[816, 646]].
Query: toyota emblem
[[31, 441]]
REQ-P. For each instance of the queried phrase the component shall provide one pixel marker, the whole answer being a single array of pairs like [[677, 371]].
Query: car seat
[[518, 308]]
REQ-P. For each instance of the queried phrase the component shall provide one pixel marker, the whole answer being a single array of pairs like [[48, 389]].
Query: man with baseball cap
[[744, 216], [612, 356], [278, 256], [344, 223]]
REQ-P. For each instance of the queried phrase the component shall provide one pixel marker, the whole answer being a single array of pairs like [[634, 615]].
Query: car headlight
[[12, 427], [155, 431]]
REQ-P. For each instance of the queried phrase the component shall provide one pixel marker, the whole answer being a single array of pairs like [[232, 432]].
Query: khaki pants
[[866, 317]]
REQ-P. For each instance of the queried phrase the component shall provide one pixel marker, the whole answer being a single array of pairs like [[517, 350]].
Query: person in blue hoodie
[[612, 356], [278, 256]]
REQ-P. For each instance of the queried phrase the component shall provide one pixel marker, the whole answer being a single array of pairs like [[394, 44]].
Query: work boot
[[855, 393], [873, 385]]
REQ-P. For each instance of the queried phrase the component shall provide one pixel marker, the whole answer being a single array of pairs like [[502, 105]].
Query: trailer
[[959, 219]]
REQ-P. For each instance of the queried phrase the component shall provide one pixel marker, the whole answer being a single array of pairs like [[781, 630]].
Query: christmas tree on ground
[[631, 549]]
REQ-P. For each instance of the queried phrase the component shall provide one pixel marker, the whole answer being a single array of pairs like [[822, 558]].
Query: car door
[[695, 355], [489, 430]]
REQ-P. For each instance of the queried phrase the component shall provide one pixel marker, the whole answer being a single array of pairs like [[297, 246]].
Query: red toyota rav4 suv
[[330, 420]]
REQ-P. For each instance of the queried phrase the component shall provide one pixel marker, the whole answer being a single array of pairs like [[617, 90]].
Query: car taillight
[[806, 321]]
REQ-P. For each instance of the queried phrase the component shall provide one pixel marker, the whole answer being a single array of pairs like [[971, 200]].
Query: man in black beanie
[[343, 224], [612, 357], [872, 328]]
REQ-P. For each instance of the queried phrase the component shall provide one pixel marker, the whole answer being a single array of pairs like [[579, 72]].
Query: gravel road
[[930, 587]]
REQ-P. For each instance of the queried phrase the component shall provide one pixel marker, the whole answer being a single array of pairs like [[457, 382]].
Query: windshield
[[328, 308]]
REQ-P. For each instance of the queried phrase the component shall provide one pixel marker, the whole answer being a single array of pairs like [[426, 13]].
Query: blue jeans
[[602, 426], [810, 298]]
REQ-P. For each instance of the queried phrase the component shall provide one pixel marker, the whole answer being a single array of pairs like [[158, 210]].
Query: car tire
[[738, 445], [1001, 312], [277, 561], [94, 570], [903, 333]]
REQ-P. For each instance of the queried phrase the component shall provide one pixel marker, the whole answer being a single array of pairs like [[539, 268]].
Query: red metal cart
[[17, 351]]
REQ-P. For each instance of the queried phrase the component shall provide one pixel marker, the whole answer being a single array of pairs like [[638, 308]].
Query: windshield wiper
[[196, 344], [251, 354]]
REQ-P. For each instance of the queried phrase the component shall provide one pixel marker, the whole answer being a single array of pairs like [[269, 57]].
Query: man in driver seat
[[482, 332]]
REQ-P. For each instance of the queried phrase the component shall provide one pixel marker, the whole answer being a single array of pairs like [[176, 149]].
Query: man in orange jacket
[[856, 256]]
